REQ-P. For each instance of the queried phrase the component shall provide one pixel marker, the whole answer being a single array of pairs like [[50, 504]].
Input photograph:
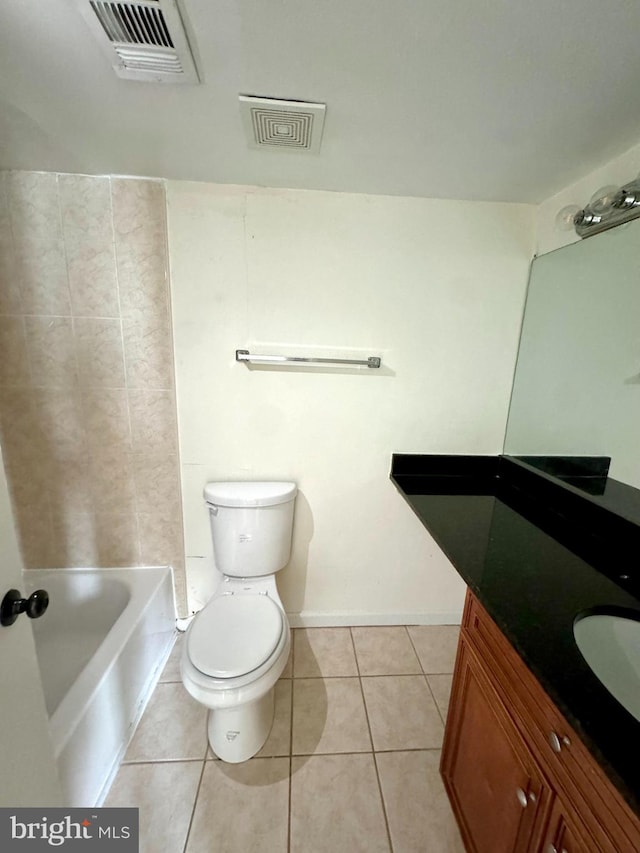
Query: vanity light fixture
[[608, 207]]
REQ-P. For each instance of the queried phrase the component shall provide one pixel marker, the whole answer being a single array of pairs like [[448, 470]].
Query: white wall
[[614, 172], [434, 287]]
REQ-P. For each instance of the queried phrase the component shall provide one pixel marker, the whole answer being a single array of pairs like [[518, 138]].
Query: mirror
[[576, 388]]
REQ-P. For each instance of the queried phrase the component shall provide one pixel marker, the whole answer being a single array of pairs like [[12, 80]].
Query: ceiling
[[499, 100]]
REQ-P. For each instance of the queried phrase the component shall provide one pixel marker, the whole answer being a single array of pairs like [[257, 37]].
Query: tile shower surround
[[87, 392], [351, 763]]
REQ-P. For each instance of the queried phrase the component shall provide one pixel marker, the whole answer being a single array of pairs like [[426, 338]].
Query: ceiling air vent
[[144, 39], [295, 125]]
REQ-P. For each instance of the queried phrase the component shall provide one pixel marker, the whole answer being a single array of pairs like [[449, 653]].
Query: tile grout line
[[373, 752], [195, 802], [426, 678], [293, 655]]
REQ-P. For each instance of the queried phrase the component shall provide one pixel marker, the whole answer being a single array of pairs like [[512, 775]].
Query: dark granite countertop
[[538, 550]]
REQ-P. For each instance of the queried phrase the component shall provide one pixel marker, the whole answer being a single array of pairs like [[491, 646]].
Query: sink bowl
[[610, 644]]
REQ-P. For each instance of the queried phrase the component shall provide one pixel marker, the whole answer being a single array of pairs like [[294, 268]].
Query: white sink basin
[[611, 646]]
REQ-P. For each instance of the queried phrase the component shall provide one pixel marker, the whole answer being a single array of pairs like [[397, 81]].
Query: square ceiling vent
[[293, 125]]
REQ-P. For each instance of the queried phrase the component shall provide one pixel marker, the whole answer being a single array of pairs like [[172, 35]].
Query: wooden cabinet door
[[496, 789], [565, 834]]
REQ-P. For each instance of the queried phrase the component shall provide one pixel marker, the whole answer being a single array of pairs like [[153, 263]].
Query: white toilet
[[238, 644]]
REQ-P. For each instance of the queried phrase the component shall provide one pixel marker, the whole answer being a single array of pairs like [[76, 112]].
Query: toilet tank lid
[[249, 494]]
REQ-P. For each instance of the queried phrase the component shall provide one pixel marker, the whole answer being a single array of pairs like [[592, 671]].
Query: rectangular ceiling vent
[[144, 39], [294, 125]]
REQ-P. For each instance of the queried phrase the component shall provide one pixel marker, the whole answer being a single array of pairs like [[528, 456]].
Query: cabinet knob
[[557, 743], [522, 798]]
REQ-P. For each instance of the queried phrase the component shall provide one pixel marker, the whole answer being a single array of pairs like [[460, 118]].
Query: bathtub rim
[[69, 713]]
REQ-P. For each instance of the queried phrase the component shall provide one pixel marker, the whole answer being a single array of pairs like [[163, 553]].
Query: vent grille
[[282, 124], [128, 24], [145, 39]]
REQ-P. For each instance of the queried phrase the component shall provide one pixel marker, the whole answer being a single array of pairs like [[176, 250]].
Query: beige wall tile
[[324, 652], [117, 539], [153, 421], [20, 432], [10, 296], [161, 541], [402, 713], [106, 418], [336, 806], [418, 811], [329, 716], [99, 352], [14, 363], [436, 646], [242, 808], [35, 535], [88, 234], [38, 244], [111, 479], [70, 485], [51, 351], [164, 794], [157, 482], [140, 237], [172, 727], [75, 538], [148, 352], [385, 651], [60, 419]]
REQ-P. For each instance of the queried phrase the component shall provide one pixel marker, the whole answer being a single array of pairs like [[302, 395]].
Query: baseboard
[[347, 619]]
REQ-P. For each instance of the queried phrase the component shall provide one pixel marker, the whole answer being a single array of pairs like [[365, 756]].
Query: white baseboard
[[346, 619]]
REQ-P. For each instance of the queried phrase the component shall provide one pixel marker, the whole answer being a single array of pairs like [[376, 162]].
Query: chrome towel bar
[[245, 355]]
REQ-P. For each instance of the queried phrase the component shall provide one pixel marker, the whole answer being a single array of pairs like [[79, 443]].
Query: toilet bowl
[[238, 645]]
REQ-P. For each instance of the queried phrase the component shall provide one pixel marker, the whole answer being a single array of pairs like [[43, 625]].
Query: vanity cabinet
[[518, 777]]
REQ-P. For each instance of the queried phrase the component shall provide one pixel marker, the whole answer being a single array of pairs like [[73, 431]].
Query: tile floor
[[351, 763]]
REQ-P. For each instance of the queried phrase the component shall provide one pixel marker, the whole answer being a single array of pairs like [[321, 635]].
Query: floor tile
[[279, 740], [336, 806], [441, 688], [165, 794], [408, 779], [171, 671], [385, 651], [287, 672], [402, 713], [242, 808], [172, 727], [329, 716], [326, 652], [436, 646]]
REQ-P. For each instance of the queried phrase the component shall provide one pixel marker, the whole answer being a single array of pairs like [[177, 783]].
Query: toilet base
[[237, 734]]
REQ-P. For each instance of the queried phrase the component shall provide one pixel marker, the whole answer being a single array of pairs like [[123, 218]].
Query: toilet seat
[[234, 635]]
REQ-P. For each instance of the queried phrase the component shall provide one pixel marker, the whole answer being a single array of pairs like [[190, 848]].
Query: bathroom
[[131, 385]]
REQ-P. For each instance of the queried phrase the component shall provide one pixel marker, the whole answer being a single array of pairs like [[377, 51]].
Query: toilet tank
[[251, 526]]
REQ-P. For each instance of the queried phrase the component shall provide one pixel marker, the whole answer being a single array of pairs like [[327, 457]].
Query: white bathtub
[[101, 646]]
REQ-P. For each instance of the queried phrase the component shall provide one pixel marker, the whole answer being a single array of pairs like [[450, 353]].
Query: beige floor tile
[[409, 779], [441, 688], [436, 646], [402, 713], [172, 727], [385, 651], [242, 808], [165, 794], [329, 716], [279, 740], [326, 652], [287, 672], [335, 806], [171, 671]]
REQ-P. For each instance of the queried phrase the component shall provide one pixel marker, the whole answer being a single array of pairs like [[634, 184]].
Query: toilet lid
[[234, 634]]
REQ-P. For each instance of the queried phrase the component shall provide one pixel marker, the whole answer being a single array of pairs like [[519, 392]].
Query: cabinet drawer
[[570, 766]]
